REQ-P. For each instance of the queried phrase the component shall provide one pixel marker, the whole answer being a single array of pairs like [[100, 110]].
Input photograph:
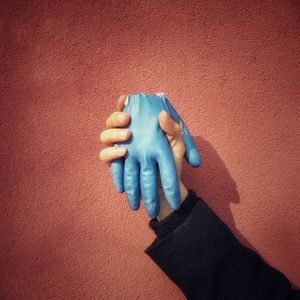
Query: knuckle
[[102, 136], [101, 156], [104, 155], [177, 127], [107, 122], [110, 120]]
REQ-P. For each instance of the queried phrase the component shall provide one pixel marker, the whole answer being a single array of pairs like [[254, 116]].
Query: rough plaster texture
[[231, 68]]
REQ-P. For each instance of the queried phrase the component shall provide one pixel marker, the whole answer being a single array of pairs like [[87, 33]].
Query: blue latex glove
[[148, 148]]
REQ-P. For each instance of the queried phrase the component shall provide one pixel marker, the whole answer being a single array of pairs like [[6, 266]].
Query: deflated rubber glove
[[147, 151]]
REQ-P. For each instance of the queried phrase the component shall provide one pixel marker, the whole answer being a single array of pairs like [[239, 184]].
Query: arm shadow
[[212, 181], [214, 184]]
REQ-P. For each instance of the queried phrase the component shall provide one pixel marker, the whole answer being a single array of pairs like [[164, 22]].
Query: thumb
[[174, 137], [168, 125]]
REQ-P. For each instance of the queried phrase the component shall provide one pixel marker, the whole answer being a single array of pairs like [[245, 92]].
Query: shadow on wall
[[213, 183]]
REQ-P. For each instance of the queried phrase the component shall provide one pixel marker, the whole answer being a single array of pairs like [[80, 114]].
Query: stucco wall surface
[[232, 70]]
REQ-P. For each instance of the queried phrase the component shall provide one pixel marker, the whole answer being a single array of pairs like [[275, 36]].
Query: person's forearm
[[201, 255]]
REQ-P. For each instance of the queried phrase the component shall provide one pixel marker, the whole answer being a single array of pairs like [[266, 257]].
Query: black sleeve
[[200, 254]]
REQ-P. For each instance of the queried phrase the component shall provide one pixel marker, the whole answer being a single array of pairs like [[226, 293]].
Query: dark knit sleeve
[[198, 252]]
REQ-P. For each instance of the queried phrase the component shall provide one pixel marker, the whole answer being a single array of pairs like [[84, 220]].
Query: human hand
[[173, 133], [115, 134]]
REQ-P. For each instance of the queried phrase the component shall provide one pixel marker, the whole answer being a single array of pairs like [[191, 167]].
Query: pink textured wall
[[231, 68]]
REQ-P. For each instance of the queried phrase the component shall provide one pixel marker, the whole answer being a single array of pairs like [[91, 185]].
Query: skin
[[115, 133]]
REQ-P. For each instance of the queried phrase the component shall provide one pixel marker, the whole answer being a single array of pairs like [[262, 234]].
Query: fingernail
[[123, 134], [120, 150]]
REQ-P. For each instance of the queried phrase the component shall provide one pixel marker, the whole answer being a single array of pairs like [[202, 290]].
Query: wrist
[[165, 209], [183, 191]]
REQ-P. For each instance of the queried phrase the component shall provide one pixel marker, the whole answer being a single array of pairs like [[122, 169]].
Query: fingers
[[118, 119], [132, 182], [114, 135], [148, 181], [169, 178], [121, 102], [111, 153], [117, 172]]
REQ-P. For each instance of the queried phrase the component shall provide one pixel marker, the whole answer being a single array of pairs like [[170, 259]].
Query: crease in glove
[[148, 153]]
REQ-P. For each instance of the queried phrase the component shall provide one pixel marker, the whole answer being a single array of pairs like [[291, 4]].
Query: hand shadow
[[213, 183]]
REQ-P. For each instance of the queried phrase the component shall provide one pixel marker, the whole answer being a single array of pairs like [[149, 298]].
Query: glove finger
[[117, 172], [169, 180], [148, 182], [132, 182], [192, 154]]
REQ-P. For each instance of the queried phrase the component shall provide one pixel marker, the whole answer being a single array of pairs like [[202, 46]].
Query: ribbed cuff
[[176, 218]]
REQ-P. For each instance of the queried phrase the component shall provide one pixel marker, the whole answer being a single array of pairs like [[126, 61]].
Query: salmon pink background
[[231, 68]]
